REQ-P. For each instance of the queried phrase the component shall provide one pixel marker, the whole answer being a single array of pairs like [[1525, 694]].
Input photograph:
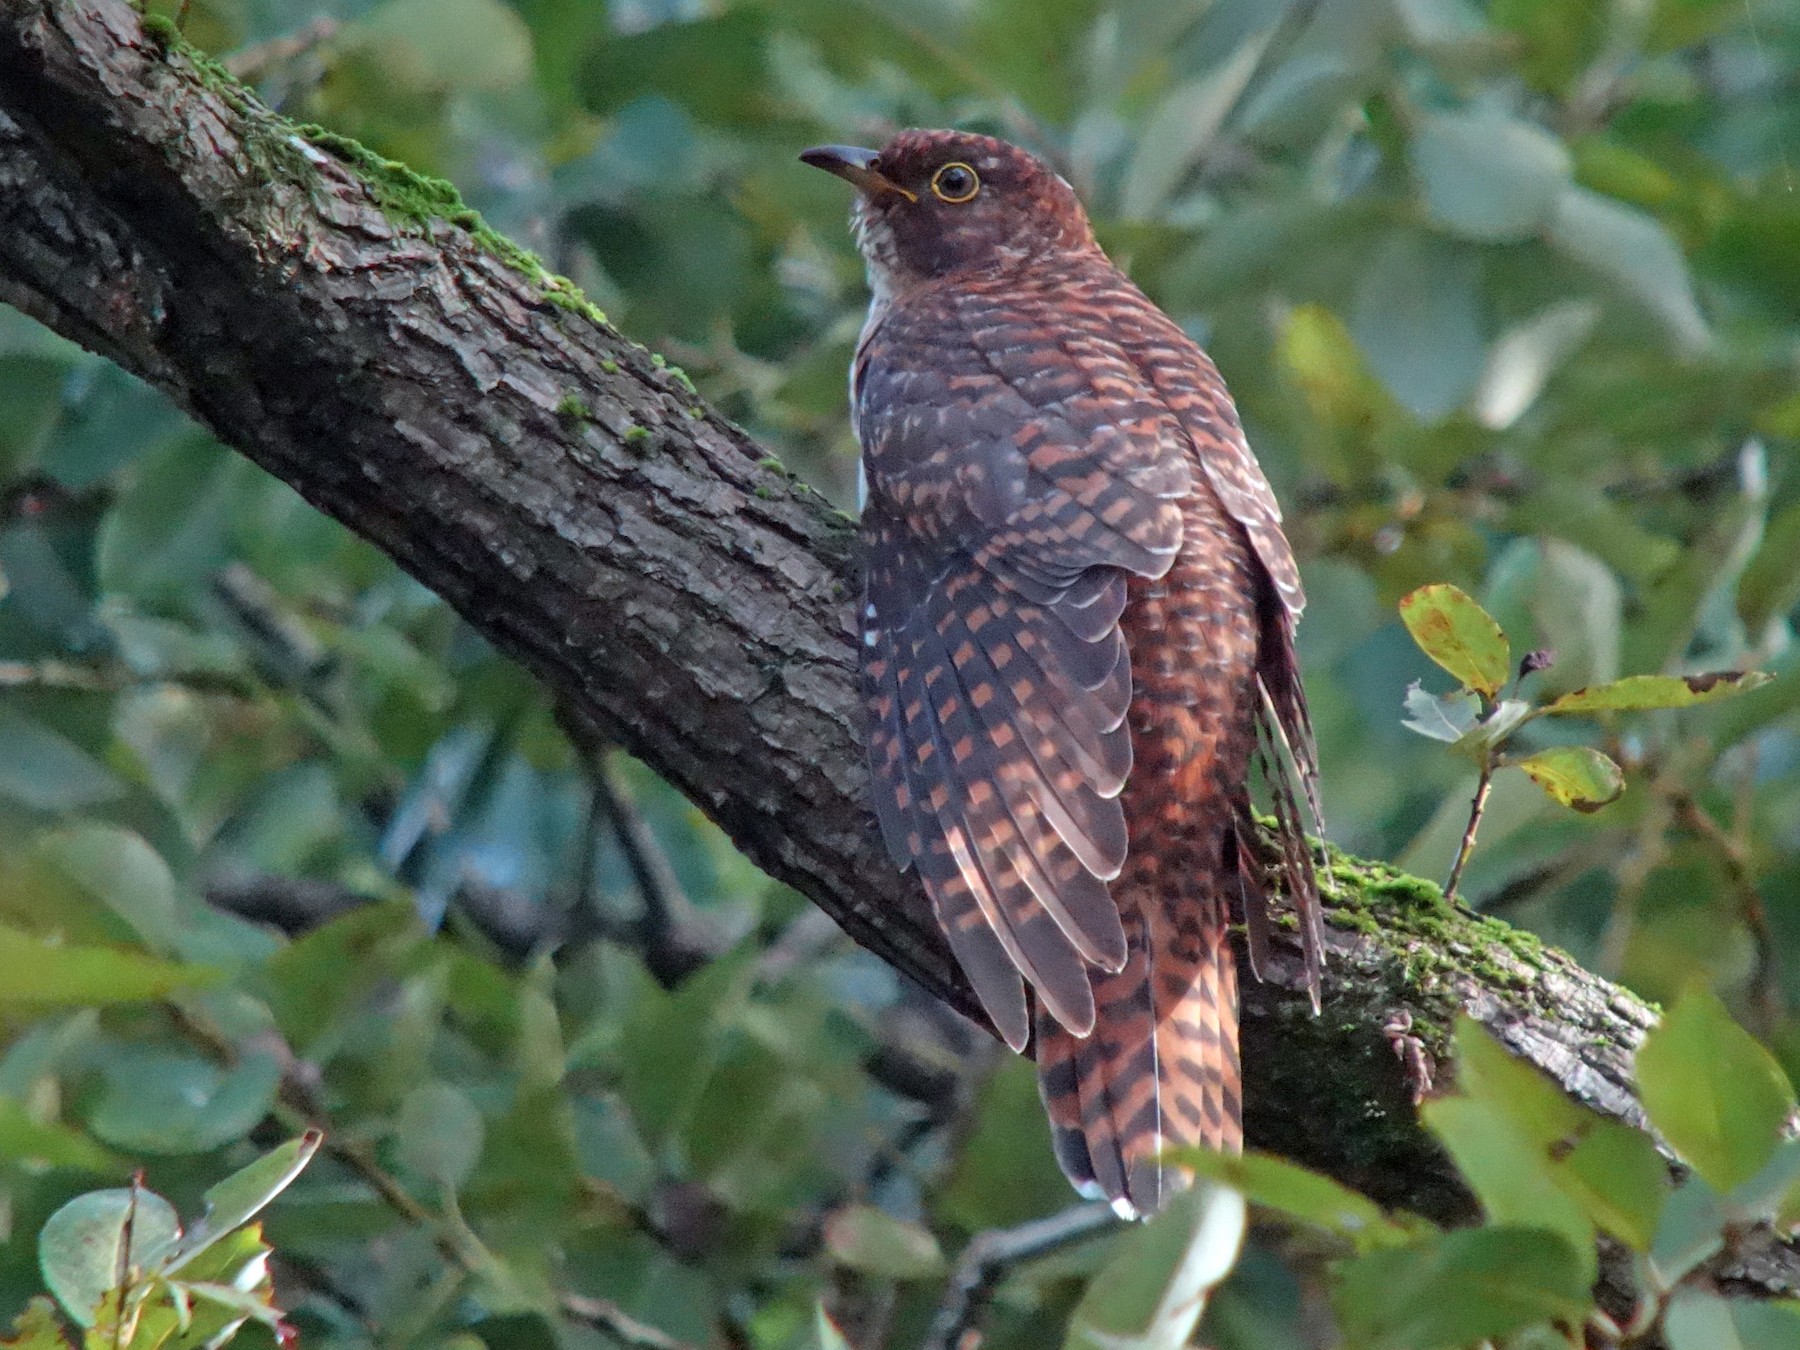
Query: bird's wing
[[1012, 490], [1187, 382]]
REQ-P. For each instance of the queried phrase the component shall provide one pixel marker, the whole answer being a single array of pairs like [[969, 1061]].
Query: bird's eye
[[955, 183]]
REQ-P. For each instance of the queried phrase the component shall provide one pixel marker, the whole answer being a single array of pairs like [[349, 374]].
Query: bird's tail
[[1160, 1070]]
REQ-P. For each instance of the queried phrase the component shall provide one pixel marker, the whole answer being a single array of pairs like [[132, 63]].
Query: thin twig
[[1476, 807], [612, 1321], [669, 934], [116, 679], [991, 1254], [298, 1106], [1573, 862]]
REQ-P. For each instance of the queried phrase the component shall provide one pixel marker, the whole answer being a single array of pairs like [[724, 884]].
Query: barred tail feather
[[1161, 1070]]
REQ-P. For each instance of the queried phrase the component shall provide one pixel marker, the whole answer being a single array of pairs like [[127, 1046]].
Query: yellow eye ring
[[955, 183]]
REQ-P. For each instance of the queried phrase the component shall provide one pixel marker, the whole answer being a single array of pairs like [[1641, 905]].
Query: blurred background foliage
[[1509, 296]]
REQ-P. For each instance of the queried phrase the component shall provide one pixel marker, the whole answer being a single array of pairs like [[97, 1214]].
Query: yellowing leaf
[[1322, 359], [1459, 635], [1638, 693], [1576, 776], [36, 1329], [42, 973]]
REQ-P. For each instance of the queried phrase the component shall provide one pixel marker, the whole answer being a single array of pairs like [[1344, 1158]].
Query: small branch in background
[[115, 679], [1482, 786], [57, 675], [277, 642], [1734, 859], [1562, 870], [672, 935], [990, 1255], [300, 1107], [518, 927], [584, 920], [294, 905], [617, 1325]]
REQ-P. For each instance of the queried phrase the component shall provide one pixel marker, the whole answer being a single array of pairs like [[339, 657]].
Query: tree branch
[[358, 333]]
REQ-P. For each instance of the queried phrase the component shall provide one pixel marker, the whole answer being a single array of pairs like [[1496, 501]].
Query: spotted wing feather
[[1191, 387], [1008, 505]]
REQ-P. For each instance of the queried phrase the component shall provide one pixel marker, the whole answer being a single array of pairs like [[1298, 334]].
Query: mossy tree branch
[[355, 331]]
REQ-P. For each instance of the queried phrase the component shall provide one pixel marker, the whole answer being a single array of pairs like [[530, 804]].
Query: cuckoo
[[1077, 634]]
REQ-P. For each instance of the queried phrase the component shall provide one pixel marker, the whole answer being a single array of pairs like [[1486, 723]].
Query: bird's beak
[[856, 166]]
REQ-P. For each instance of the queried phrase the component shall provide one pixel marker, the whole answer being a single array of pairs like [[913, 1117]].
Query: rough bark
[[354, 332]]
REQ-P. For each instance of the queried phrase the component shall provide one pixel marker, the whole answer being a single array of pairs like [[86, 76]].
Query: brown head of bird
[[936, 203]]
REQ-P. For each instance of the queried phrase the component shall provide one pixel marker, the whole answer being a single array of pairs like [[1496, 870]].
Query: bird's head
[[936, 203]]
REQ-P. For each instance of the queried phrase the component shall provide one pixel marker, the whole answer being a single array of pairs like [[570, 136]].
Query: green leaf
[[1770, 585], [90, 1242], [1459, 635], [1578, 607], [1417, 315], [1509, 1175], [1006, 1172], [868, 1239], [1526, 357], [1486, 1071], [226, 1284], [1638, 693], [438, 1134], [1697, 1320], [1635, 252], [1712, 1091], [1488, 176], [1326, 365], [1157, 1284], [125, 874], [37, 1328], [1575, 775], [1692, 1230], [671, 1044], [24, 1138], [1304, 1196], [317, 978], [1773, 1194], [1453, 1289], [1448, 717], [1611, 1172], [158, 1101], [1619, 1178], [240, 1197], [49, 772], [1183, 122], [41, 974]]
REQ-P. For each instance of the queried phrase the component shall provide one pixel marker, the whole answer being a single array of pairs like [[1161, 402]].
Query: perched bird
[[1077, 632]]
